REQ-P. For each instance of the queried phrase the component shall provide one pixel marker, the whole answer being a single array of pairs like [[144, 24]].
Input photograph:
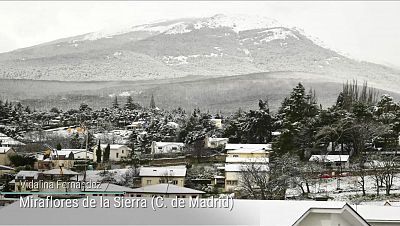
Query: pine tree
[[115, 103], [152, 102], [129, 103], [106, 156], [59, 146], [98, 153]]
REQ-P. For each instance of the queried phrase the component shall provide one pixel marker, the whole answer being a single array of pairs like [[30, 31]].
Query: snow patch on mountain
[[178, 29], [275, 34], [175, 27], [237, 23], [180, 60]]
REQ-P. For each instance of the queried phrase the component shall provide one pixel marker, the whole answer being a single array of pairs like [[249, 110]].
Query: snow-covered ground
[[348, 189]]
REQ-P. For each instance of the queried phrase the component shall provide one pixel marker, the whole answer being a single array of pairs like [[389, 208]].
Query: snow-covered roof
[[329, 158], [66, 152], [247, 151], [4, 149], [163, 144], [166, 189], [266, 147], [6, 168], [290, 212], [246, 160], [11, 141], [110, 188], [243, 167], [217, 139], [58, 172], [61, 152], [379, 213], [176, 171], [113, 146], [276, 133], [24, 174], [173, 124]]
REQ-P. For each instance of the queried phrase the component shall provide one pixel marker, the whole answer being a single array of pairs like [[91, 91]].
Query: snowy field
[[349, 189]]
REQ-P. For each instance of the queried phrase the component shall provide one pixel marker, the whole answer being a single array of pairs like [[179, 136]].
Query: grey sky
[[364, 30]]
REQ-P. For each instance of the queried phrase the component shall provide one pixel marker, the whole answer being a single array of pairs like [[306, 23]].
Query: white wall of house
[[117, 152], [166, 147]]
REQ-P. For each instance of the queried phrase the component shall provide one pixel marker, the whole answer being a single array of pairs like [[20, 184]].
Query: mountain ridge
[[214, 46]]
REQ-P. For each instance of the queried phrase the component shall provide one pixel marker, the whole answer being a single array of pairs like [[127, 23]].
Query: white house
[[215, 142], [136, 125], [332, 160], [166, 147], [75, 154], [216, 122], [6, 141], [5, 154], [159, 175], [238, 160], [117, 152], [233, 173]]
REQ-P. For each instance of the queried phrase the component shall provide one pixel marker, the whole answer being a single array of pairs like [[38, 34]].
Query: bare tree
[[270, 181], [359, 169]]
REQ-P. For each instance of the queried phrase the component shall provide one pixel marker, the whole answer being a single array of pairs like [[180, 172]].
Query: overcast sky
[[364, 30]]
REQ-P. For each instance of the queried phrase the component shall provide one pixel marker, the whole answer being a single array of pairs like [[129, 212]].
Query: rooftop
[[58, 172], [4, 149], [177, 171], [24, 174], [329, 158], [267, 147]]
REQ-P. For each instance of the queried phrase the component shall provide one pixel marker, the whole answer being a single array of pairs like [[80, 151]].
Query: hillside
[[226, 94]]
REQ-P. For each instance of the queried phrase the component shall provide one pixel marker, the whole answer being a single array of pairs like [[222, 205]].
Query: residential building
[[216, 122], [241, 158], [214, 142], [166, 147], [266, 147], [160, 175], [247, 153], [333, 161], [22, 178], [5, 154], [167, 191], [5, 170], [6, 141], [233, 174], [117, 152], [36, 181]]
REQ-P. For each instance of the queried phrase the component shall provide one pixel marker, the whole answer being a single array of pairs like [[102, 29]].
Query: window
[[174, 148], [148, 182], [231, 182], [235, 156], [175, 182], [162, 181], [122, 151], [116, 155], [138, 195]]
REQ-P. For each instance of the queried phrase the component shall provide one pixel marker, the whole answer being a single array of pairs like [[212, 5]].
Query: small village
[[348, 152]]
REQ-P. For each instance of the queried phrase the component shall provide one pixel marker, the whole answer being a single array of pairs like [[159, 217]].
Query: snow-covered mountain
[[213, 47]]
